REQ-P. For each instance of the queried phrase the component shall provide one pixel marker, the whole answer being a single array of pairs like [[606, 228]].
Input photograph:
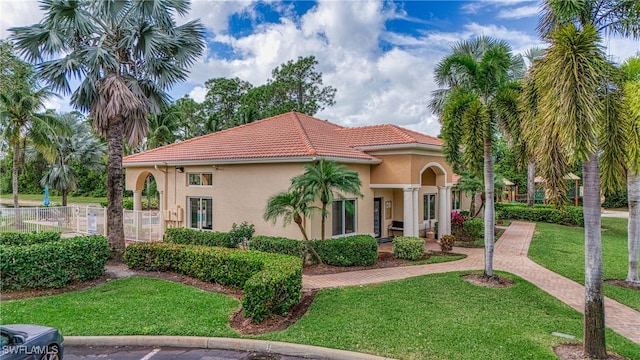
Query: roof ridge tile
[[303, 135]]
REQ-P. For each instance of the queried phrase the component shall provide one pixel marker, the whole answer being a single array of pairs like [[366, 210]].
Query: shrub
[[272, 283], [356, 250], [474, 228], [52, 264], [570, 215], [408, 247], [241, 233], [446, 243], [196, 237], [457, 221], [279, 245], [14, 238]]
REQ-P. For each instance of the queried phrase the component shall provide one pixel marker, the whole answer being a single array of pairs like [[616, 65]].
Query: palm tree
[[79, 148], [324, 178], [578, 118], [528, 107], [477, 88], [127, 53], [631, 70], [23, 120], [292, 205]]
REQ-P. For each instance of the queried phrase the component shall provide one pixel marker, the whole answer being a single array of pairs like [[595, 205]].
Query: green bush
[[241, 233], [197, 237], [272, 283], [14, 238], [356, 250], [570, 215], [474, 228], [279, 245], [53, 264], [408, 247]]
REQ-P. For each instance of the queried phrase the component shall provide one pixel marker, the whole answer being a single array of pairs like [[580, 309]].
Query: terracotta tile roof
[[283, 136], [455, 178]]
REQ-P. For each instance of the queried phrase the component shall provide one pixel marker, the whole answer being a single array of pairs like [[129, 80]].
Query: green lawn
[[561, 249], [442, 317], [430, 317], [438, 259], [132, 306], [57, 200]]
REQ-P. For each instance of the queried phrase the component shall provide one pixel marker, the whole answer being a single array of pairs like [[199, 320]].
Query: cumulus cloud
[[519, 12], [18, 13]]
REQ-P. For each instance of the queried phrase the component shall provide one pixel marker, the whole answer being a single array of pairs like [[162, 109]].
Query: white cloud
[[18, 13], [519, 12]]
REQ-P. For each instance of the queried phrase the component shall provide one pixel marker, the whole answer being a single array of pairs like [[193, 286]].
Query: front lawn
[[132, 306], [561, 249], [441, 316]]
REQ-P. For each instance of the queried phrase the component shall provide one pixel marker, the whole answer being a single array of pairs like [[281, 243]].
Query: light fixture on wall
[[215, 167], [180, 169]]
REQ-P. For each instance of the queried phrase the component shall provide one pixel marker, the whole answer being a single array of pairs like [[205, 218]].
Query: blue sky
[[379, 55]]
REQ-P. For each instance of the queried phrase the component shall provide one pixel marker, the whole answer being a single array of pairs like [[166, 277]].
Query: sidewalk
[[511, 256]]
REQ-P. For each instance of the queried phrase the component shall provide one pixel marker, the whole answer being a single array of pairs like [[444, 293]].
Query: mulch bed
[[574, 352], [495, 281], [623, 284], [385, 260]]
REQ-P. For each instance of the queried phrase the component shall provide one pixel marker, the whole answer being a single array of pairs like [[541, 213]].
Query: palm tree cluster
[[574, 106]]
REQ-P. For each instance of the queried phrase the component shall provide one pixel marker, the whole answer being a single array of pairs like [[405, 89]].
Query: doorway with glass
[[200, 213]]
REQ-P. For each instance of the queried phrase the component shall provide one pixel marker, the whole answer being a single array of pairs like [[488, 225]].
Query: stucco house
[[213, 181]]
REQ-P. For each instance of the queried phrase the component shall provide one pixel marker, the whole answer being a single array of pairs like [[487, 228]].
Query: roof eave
[[408, 146], [265, 160]]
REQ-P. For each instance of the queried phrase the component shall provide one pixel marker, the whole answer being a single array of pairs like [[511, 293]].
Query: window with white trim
[[456, 199], [200, 179], [343, 217]]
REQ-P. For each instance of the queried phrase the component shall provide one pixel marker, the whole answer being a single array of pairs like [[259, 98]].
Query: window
[[456, 199], [201, 213], [200, 179], [343, 217], [429, 206]]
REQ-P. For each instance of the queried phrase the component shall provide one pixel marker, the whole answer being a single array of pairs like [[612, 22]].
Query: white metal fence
[[138, 225]]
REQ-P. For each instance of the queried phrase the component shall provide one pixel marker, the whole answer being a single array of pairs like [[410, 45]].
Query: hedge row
[[408, 247], [570, 215], [52, 264], [356, 250], [272, 283], [194, 237], [12, 238]]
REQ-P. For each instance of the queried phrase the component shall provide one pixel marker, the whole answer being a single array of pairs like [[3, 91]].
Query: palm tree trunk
[[594, 336], [324, 217], [531, 183], [306, 240], [64, 197], [115, 229], [14, 183], [489, 210], [633, 188]]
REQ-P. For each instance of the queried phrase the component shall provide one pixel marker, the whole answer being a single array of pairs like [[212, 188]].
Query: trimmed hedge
[[408, 247], [272, 283], [474, 228], [195, 237], [22, 239], [279, 245], [570, 215], [52, 264], [356, 250]]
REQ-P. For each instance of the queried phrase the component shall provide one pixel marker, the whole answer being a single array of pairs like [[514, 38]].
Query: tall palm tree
[[79, 148], [322, 180], [578, 118], [127, 53], [292, 205], [24, 120], [477, 87], [631, 70]]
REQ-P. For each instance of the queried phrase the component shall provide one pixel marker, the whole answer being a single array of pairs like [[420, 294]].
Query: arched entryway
[[435, 199]]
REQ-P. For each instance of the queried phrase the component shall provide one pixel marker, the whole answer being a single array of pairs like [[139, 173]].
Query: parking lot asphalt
[[163, 353]]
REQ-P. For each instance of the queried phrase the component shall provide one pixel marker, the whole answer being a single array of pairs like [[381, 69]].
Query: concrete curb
[[263, 346]]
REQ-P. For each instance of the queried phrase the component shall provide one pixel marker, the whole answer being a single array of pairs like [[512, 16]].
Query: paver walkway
[[511, 256]]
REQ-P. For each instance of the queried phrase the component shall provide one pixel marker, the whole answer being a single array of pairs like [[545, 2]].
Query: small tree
[[322, 179], [292, 205]]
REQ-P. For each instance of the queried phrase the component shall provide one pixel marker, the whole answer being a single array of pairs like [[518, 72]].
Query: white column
[[137, 200], [416, 223], [442, 211], [408, 212], [161, 208], [448, 203]]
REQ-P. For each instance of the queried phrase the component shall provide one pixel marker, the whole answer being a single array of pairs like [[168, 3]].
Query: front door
[[377, 217]]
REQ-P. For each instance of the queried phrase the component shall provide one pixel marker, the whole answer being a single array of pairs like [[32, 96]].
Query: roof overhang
[[271, 160], [400, 147]]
